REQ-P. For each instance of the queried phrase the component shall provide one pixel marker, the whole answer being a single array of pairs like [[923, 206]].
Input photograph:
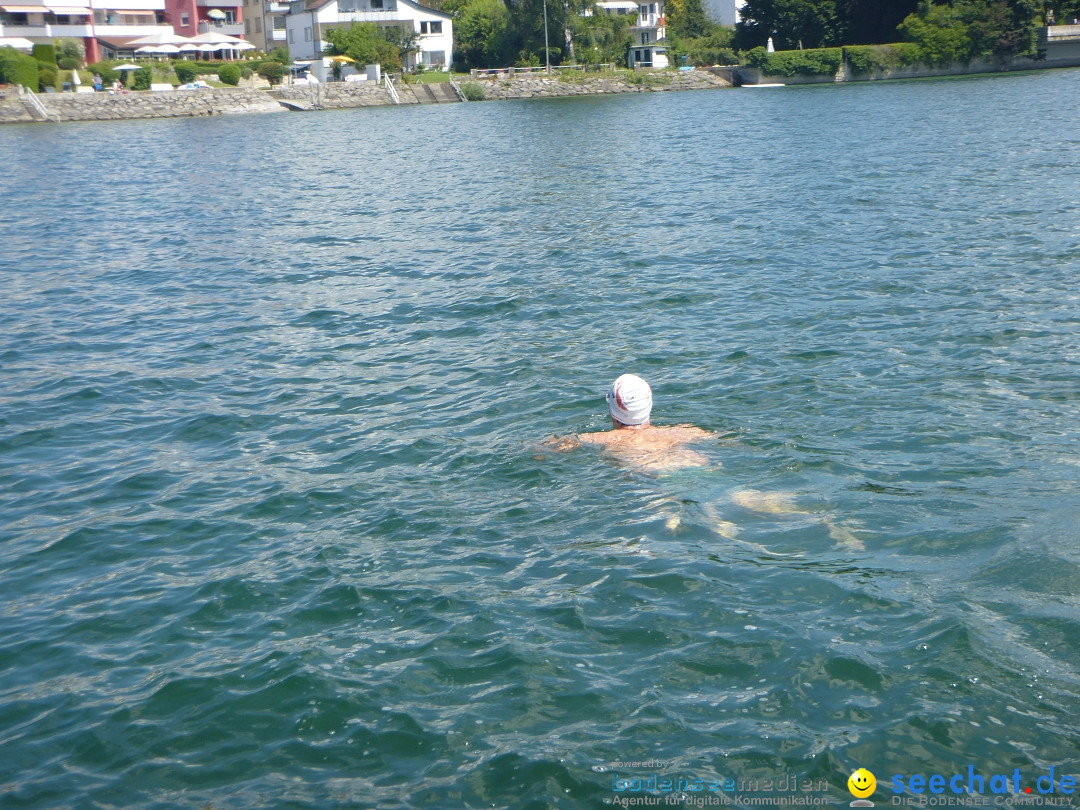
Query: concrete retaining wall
[[1063, 57], [108, 107]]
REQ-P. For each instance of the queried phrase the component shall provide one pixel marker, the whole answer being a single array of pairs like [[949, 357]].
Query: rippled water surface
[[277, 528]]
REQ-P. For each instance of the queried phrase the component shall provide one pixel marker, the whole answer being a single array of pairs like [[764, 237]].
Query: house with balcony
[[99, 24], [648, 48], [264, 23], [309, 20], [190, 18]]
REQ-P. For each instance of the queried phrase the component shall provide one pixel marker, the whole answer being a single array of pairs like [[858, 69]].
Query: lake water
[[276, 528]]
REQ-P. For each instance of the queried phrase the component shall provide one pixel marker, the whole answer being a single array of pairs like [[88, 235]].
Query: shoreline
[[148, 104]]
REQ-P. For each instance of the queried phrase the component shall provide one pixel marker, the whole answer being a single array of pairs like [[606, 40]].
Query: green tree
[[603, 38], [791, 23], [686, 19], [969, 29], [271, 70], [69, 48], [364, 43], [482, 33]]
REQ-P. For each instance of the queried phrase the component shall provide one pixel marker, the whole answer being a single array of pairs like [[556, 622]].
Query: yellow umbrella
[[342, 59]]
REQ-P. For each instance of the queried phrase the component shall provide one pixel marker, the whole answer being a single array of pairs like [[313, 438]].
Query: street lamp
[[547, 50]]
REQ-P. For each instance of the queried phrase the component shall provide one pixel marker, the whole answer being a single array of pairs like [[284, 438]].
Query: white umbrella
[[75, 80], [244, 46], [126, 67], [167, 49], [188, 47]]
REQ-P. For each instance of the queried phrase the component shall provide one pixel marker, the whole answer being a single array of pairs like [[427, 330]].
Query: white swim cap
[[630, 400]]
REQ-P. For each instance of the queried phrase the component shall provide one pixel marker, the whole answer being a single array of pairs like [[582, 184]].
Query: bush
[[46, 78], [69, 63], [271, 71], [812, 62], [18, 68], [185, 72], [45, 53], [142, 79], [229, 74], [473, 91], [246, 70], [873, 58]]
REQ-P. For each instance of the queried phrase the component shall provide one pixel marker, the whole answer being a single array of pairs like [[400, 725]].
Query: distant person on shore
[[97, 83], [633, 439]]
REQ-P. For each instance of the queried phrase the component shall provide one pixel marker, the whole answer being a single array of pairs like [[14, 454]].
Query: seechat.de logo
[[861, 784]]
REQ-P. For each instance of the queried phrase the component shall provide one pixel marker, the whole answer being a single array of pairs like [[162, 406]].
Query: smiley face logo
[[861, 783]]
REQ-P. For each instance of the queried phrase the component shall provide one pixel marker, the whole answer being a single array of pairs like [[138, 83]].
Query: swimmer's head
[[630, 401]]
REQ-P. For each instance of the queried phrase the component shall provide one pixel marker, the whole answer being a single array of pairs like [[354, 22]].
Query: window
[[185, 20], [644, 38], [279, 23], [376, 5], [434, 58], [307, 34], [258, 25], [423, 27], [247, 26], [291, 40], [436, 27]]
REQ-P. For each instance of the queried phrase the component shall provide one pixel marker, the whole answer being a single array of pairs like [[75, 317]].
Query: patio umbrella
[[342, 59], [126, 67], [244, 46], [216, 14], [75, 80]]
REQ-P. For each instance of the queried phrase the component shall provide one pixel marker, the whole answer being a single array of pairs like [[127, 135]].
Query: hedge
[[45, 53], [873, 58], [812, 62], [18, 68]]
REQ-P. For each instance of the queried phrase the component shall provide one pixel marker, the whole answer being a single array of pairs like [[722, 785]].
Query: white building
[[725, 12], [647, 48], [101, 25], [308, 21]]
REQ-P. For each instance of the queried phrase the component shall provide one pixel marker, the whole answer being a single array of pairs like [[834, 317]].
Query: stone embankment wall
[[109, 107], [535, 85], [337, 95], [334, 95]]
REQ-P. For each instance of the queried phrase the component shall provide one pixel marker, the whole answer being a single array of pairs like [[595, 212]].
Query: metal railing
[[389, 83], [457, 89], [35, 102], [492, 73]]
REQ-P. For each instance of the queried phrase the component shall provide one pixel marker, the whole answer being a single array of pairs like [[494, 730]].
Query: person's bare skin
[[645, 447]]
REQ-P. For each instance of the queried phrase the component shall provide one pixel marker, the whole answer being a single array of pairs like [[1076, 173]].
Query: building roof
[[316, 5]]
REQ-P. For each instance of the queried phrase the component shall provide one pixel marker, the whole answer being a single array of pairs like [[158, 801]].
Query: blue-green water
[[275, 526]]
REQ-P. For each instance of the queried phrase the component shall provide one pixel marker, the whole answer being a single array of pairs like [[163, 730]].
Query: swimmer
[[635, 442], [633, 439]]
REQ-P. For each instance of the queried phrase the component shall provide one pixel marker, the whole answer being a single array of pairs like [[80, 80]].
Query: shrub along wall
[[811, 62]]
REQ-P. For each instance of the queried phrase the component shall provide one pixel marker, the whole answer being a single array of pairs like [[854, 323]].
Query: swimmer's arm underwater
[[561, 444]]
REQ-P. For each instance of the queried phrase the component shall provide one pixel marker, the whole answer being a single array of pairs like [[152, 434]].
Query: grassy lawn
[[437, 77]]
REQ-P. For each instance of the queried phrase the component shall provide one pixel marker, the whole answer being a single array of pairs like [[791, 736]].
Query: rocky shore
[[58, 107]]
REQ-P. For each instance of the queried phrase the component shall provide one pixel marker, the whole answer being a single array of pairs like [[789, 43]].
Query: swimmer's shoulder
[[685, 433]]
